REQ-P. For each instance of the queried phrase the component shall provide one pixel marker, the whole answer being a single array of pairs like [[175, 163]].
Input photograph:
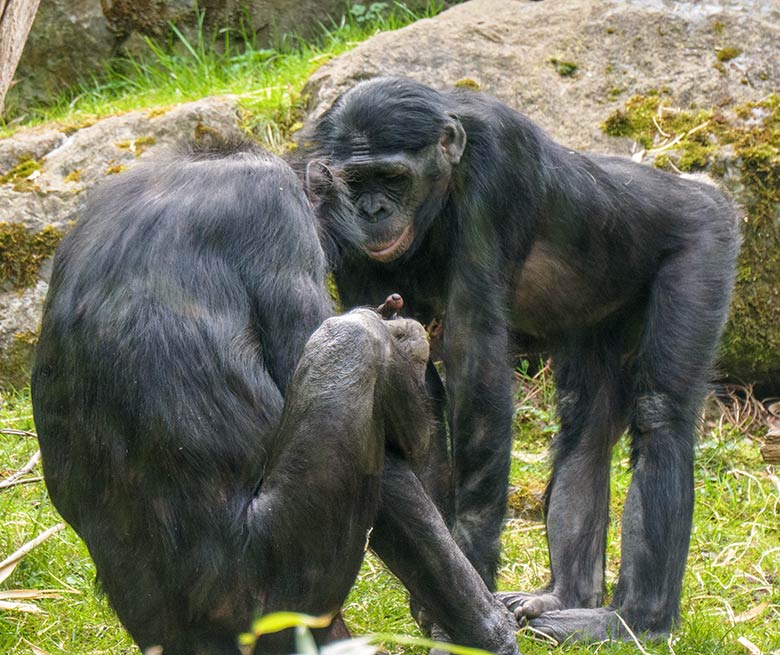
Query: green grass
[[731, 585], [267, 80]]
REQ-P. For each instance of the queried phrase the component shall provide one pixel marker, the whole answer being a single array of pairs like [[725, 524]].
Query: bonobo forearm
[[412, 539]]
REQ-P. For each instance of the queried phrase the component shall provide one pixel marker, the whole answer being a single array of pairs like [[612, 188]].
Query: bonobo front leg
[[479, 378]]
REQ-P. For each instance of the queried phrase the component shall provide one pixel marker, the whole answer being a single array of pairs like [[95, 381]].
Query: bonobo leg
[[686, 311], [412, 539], [435, 472], [592, 411], [436, 468], [316, 505], [301, 534]]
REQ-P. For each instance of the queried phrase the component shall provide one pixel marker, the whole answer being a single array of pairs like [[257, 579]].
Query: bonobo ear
[[318, 179], [453, 141]]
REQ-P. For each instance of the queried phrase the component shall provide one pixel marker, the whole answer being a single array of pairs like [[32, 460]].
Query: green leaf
[[279, 621]]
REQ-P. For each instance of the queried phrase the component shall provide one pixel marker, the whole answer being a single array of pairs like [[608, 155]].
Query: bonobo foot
[[530, 605], [583, 625]]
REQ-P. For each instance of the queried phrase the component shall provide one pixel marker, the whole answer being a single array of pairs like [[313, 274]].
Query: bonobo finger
[[439, 634], [411, 338], [524, 605], [391, 306]]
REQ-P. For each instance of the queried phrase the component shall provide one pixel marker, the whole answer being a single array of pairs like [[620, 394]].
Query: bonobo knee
[[659, 411], [363, 334], [652, 412], [411, 337], [663, 425], [394, 353]]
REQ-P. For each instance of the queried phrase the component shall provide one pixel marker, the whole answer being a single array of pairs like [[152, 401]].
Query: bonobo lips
[[388, 251]]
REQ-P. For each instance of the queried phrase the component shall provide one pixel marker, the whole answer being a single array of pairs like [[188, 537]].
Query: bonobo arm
[[479, 387], [412, 539]]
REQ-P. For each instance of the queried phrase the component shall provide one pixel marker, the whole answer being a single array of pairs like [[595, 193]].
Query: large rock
[[72, 39], [582, 68], [69, 40], [45, 172]]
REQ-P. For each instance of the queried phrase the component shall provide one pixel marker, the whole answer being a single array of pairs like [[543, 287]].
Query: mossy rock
[[17, 360], [23, 252], [740, 147]]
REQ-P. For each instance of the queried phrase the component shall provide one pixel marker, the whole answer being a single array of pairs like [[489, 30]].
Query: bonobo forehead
[[389, 163], [382, 115]]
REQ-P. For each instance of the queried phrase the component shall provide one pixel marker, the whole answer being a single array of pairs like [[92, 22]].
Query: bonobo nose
[[373, 207]]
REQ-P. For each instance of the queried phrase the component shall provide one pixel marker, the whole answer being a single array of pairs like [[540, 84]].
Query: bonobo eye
[[394, 177]]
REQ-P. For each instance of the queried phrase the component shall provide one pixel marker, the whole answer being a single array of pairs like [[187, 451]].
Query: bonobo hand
[[409, 335], [411, 338]]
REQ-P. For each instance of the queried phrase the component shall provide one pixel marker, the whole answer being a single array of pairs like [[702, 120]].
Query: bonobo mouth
[[388, 251]]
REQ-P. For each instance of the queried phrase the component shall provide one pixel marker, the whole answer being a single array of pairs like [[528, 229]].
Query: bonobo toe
[[581, 625], [529, 606]]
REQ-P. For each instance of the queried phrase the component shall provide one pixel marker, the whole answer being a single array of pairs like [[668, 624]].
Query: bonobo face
[[396, 196], [387, 192], [384, 155]]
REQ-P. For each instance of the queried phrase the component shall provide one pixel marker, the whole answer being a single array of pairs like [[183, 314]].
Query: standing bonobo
[[220, 444], [472, 213]]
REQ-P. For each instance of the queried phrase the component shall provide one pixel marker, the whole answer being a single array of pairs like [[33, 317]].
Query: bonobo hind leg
[[309, 522], [592, 412], [656, 530], [685, 316]]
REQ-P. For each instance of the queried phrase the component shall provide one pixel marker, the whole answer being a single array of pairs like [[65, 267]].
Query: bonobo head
[[387, 148]]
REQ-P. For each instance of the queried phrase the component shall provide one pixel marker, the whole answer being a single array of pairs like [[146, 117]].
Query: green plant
[[227, 62], [365, 14]]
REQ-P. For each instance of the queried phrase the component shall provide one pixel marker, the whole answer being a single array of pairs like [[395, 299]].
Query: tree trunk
[[16, 18]]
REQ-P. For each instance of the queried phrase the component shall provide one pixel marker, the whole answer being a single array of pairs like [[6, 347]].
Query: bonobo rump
[[623, 272], [221, 443]]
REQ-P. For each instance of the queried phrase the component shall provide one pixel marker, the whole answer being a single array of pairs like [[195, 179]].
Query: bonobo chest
[[556, 291]]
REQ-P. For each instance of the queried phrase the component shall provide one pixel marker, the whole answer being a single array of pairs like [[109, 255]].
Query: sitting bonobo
[[221, 443]]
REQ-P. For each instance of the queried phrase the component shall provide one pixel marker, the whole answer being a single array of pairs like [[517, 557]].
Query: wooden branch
[[16, 19], [770, 451], [14, 478]]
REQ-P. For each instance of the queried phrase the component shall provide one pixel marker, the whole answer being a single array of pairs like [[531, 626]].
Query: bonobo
[[222, 446], [473, 214]]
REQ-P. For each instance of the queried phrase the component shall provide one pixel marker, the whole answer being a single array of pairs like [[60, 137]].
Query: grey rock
[[69, 40], [112, 144], [506, 47]]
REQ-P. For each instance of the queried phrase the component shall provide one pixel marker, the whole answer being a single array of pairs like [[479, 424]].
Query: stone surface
[[69, 39], [620, 48], [569, 64], [69, 165]]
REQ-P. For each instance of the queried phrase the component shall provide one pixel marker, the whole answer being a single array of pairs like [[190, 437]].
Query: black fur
[[623, 272], [221, 445]]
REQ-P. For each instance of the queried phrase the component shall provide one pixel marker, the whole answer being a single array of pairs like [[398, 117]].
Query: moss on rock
[[17, 360], [745, 140], [564, 68], [22, 252], [138, 145], [23, 174]]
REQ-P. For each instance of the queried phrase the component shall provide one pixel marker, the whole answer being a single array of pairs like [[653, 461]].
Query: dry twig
[[15, 478]]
